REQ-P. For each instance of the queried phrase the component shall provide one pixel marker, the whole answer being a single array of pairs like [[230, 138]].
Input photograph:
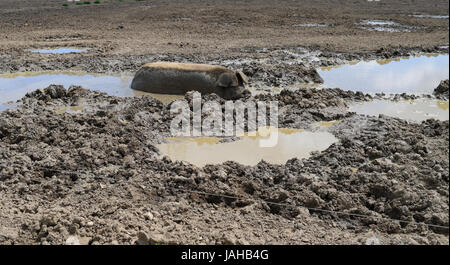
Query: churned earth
[[83, 167], [122, 36], [96, 177], [442, 90]]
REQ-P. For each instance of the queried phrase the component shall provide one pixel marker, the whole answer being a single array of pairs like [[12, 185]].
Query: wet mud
[[60, 170], [442, 90]]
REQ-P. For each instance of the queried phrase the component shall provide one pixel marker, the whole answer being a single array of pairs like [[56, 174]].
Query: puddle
[[326, 123], [311, 25], [411, 110], [180, 19], [430, 16], [59, 50], [207, 150], [387, 29], [62, 37], [70, 109], [6, 106], [386, 26], [378, 23], [414, 75], [14, 86]]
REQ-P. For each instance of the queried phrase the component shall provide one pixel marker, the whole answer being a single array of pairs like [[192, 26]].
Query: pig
[[179, 78]]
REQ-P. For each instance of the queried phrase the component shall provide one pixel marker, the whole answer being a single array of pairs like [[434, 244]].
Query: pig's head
[[231, 85]]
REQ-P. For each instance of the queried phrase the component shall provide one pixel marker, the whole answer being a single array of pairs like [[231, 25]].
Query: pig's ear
[[243, 79], [227, 80]]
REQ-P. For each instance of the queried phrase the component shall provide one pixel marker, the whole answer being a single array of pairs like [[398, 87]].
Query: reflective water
[[59, 50], [387, 29], [414, 75], [15, 86], [311, 25], [378, 23], [208, 150], [387, 26], [411, 110], [7, 106], [431, 16]]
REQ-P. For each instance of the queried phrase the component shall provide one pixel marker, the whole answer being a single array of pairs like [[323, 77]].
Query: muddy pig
[[179, 78]]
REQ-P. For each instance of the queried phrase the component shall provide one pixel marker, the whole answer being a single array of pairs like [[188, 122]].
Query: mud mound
[[442, 90], [280, 76]]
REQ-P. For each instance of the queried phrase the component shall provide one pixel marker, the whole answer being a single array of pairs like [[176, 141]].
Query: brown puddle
[[326, 123], [291, 143], [411, 110], [387, 26]]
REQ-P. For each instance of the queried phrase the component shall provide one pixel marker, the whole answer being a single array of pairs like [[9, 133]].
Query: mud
[[195, 28], [431, 16], [84, 167], [97, 175], [279, 67], [386, 26]]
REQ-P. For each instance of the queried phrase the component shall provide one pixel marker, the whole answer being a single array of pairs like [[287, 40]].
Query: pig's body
[[179, 78]]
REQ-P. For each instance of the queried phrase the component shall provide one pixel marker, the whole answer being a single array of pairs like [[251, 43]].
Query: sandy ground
[[97, 177]]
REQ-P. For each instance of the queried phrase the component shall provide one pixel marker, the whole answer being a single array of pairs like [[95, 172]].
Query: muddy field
[[80, 166]]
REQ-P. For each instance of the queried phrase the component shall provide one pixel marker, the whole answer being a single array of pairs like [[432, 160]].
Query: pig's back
[[176, 78]]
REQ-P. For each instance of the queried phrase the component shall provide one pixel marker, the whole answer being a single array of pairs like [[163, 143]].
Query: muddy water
[[15, 86], [208, 150], [430, 16], [59, 50], [414, 75], [411, 110]]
